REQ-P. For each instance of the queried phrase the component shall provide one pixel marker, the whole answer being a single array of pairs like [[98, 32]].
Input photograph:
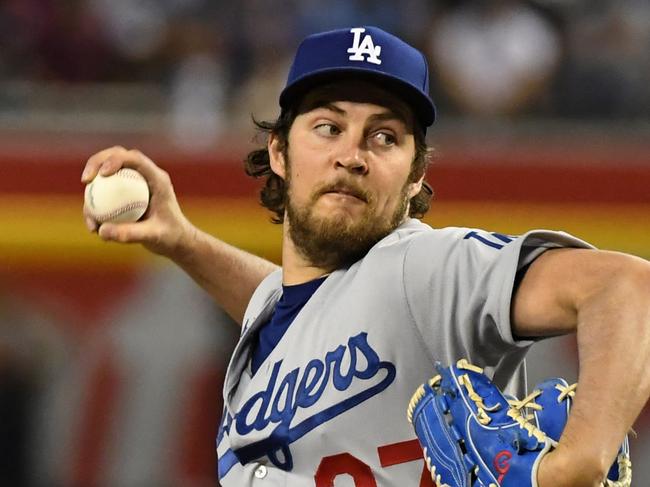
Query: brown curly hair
[[273, 194]]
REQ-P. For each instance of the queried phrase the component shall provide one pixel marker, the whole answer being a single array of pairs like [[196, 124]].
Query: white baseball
[[120, 197]]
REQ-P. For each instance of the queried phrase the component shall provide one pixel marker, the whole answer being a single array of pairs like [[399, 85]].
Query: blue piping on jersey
[[224, 426], [226, 462]]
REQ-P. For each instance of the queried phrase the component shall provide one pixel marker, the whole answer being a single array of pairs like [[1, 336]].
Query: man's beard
[[333, 242]]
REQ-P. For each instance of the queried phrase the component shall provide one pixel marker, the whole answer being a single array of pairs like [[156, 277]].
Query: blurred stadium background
[[111, 360]]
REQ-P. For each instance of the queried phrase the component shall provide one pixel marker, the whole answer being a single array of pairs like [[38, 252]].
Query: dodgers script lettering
[[302, 388]]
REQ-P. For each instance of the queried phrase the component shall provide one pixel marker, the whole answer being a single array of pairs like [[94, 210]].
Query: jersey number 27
[[389, 455]]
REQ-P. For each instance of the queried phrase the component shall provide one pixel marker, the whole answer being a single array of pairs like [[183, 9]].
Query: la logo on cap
[[365, 46]]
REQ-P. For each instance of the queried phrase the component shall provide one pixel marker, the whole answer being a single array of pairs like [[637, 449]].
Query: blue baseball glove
[[472, 436], [548, 407]]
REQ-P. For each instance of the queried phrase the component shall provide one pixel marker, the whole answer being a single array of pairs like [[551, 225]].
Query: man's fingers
[[91, 224], [119, 157], [115, 232], [112, 164], [155, 176], [109, 161], [96, 161], [138, 232]]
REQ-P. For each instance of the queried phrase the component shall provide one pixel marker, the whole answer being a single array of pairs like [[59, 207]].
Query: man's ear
[[415, 187], [276, 156]]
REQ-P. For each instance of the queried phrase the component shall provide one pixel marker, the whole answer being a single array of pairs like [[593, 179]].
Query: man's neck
[[296, 269]]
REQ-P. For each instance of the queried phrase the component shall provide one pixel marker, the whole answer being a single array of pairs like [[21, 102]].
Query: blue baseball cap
[[366, 53]]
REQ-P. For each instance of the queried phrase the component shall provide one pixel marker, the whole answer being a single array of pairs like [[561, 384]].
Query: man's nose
[[354, 158]]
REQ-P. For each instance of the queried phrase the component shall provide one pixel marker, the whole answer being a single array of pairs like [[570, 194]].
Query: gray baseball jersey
[[328, 405]]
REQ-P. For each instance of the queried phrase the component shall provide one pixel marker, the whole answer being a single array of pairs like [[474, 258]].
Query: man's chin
[[341, 221], [333, 232]]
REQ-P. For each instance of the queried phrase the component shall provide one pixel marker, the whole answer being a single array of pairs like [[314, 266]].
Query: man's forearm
[[230, 275], [614, 380], [614, 353]]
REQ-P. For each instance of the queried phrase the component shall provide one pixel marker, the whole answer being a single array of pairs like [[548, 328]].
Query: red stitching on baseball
[[129, 173], [119, 211]]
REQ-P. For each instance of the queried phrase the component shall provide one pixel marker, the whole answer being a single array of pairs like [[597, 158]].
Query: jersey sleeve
[[458, 286]]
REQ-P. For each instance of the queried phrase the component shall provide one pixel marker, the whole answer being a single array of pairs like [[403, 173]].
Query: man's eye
[[327, 129], [384, 138]]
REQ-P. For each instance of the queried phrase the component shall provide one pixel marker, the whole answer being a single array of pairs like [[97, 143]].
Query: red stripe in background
[[542, 184], [451, 181], [62, 176]]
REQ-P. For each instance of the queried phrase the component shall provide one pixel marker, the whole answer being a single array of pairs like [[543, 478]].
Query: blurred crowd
[[218, 61]]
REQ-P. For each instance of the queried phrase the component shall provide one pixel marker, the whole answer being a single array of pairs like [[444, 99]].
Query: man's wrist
[[562, 467], [185, 248]]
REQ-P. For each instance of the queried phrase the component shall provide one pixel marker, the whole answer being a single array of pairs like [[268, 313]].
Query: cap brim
[[422, 106]]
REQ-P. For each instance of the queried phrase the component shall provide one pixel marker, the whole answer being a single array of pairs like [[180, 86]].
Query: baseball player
[[368, 298]]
